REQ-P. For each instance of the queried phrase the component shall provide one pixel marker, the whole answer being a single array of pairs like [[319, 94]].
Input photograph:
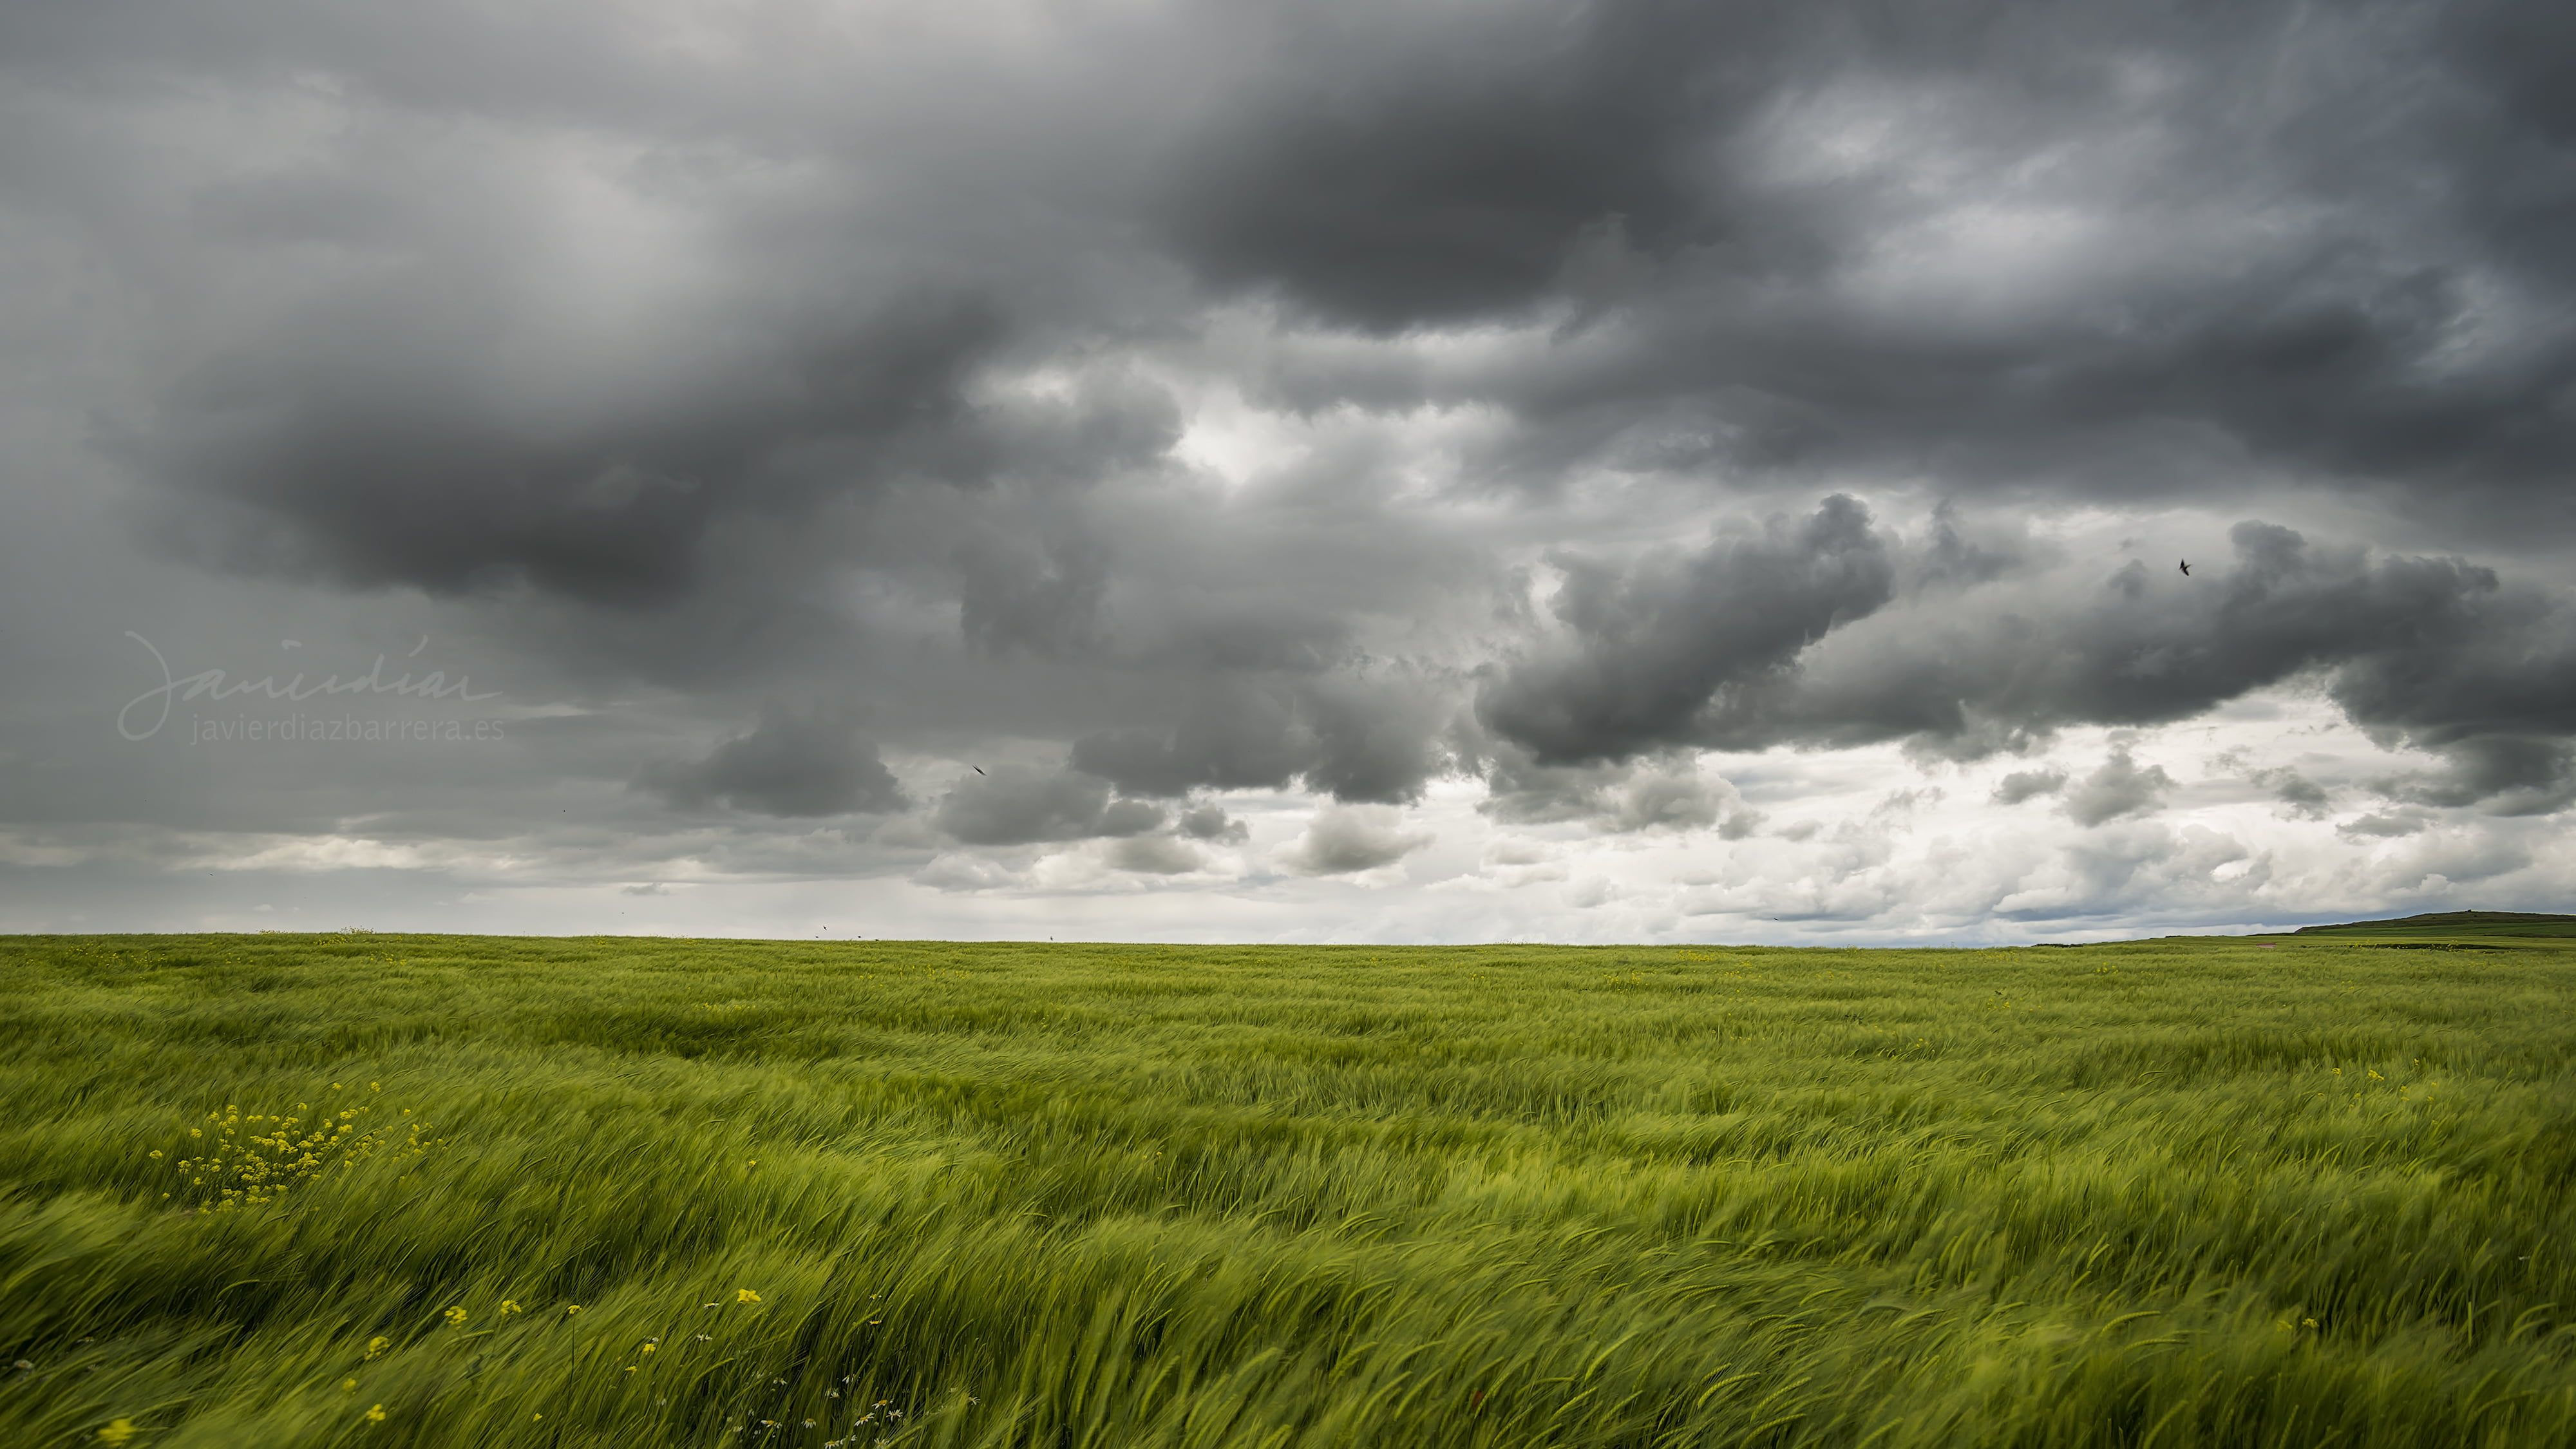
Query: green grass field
[[2171, 1192]]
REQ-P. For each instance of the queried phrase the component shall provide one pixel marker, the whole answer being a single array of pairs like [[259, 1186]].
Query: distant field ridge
[[2514, 923]]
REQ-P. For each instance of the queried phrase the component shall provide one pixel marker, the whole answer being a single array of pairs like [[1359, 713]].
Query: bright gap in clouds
[[2263, 815]]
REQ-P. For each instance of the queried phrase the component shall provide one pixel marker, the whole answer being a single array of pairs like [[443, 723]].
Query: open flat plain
[[388, 1190]]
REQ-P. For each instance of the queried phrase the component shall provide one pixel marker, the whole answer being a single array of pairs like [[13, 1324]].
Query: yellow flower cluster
[[254, 1159], [457, 1316]]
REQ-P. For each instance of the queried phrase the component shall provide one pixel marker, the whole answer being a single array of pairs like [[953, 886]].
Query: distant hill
[[2455, 923]]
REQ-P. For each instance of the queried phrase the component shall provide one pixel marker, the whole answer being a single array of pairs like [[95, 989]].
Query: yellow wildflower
[[571, 1308], [376, 1415], [348, 1386], [117, 1431], [456, 1318], [745, 1295]]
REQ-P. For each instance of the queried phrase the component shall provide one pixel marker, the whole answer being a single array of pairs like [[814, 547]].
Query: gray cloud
[[2509, 774], [2023, 785], [1048, 605], [1211, 823], [2120, 787], [2438, 652], [1017, 807], [1669, 794], [1346, 839], [1653, 647], [363, 445], [2299, 795], [1390, 173], [1356, 739], [1155, 855], [1717, 193], [2387, 826], [788, 765], [1681, 802]]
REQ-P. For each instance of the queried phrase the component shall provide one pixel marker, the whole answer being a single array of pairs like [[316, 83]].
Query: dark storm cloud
[[1391, 173], [1045, 600], [1771, 641], [1390, 168], [1013, 806], [364, 448], [1356, 739], [2179, 283], [1652, 646], [790, 765], [2510, 774]]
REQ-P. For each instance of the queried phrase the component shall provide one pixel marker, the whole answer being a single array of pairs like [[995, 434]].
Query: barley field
[[446, 1191]]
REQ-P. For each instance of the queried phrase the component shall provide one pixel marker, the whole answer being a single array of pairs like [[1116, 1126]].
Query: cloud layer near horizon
[[1681, 468]]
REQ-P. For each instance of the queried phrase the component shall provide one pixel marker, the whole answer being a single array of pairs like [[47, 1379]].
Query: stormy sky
[[1390, 470]]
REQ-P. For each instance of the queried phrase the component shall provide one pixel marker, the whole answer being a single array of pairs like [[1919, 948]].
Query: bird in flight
[[978, 769], [2186, 567]]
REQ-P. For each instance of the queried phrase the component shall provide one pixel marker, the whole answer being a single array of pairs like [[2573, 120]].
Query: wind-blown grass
[[700, 1193]]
